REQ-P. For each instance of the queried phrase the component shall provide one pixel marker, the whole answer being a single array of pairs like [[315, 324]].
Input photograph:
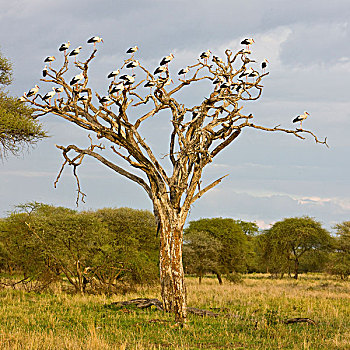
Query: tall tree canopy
[[199, 132], [18, 129], [290, 239]]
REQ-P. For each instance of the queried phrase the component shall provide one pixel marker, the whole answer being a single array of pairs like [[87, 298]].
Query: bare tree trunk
[[218, 275], [171, 268], [296, 268]]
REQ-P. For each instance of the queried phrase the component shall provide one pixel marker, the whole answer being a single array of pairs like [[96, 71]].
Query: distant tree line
[[113, 250]]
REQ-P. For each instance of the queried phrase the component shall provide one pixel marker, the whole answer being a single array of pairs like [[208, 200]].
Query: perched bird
[[64, 47], [166, 60], [113, 74], [104, 99], [225, 85], [150, 84], [183, 71], [45, 71], [33, 91], [23, 98], [300, 118], [165, 81], [264, 64], [82, 98], [117, 88], [205, 55], [126, 77], [75, 52], [247, 42], [76, 79], [49, 95], [218, 80], [160, 70], [50, 59], [133, 64], [245, 52], [59, 90], [253, 74], [217, 60], [94, 40], [239, 88], [246, 72], [129, 81], [132, 50]]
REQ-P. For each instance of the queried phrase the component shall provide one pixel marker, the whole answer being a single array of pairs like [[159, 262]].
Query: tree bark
[[218, 275], [172, 276], [296, 267]]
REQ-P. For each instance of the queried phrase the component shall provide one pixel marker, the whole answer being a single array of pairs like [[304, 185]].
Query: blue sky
[[271, 176]]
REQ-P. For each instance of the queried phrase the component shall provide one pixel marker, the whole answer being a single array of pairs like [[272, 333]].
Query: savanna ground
[[253, 315]]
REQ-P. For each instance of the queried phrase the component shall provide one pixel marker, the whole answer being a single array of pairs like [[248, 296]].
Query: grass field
[[253, 317]]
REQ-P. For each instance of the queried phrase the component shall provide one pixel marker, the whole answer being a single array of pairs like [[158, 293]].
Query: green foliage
[[106, 251], [340, 258], [234, 242], [17, 128], [201, 253], [289, 240]]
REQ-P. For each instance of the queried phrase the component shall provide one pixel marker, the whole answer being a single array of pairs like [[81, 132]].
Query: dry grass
[[257, 308]]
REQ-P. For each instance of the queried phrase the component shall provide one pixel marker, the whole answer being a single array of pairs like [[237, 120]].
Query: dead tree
[[199, 133]]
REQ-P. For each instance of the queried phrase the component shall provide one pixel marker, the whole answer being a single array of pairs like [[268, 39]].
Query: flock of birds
[[127, 80]]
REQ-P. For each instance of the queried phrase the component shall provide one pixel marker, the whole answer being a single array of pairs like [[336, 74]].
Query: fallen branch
[[300, 319]]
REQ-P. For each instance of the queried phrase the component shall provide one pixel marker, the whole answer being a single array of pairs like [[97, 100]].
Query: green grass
[[257, 309]]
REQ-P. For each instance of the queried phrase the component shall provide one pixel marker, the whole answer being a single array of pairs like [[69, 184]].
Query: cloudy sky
[[271, 176]]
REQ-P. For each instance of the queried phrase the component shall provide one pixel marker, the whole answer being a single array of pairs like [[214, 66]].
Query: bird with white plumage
[[300, 118], [33, 91], [75, 52], [94, 40], [76, 79], [49, 95], [64, 47], [184, 71]]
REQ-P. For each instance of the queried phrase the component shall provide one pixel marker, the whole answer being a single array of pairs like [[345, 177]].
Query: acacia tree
[[287, 241], [199, 133], [17, 128]]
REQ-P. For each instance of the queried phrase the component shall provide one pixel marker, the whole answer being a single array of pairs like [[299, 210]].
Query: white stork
[[59, 90], [50, 59], [76, 79], [247, 42], [166, 60], [113, 74], [300, 118], [150, 84], [94, 40], [217, 60], [205, 55], [23, 98], [64, 47], [184, 71], [246, 72], [218, 80], [160, 70], [83, 98], [117, 88], [45, 71], [264, 64], [75, 52], [104, 99], [133, 64], [253, 74], [33, 91], [49, 95], [132, 50]]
